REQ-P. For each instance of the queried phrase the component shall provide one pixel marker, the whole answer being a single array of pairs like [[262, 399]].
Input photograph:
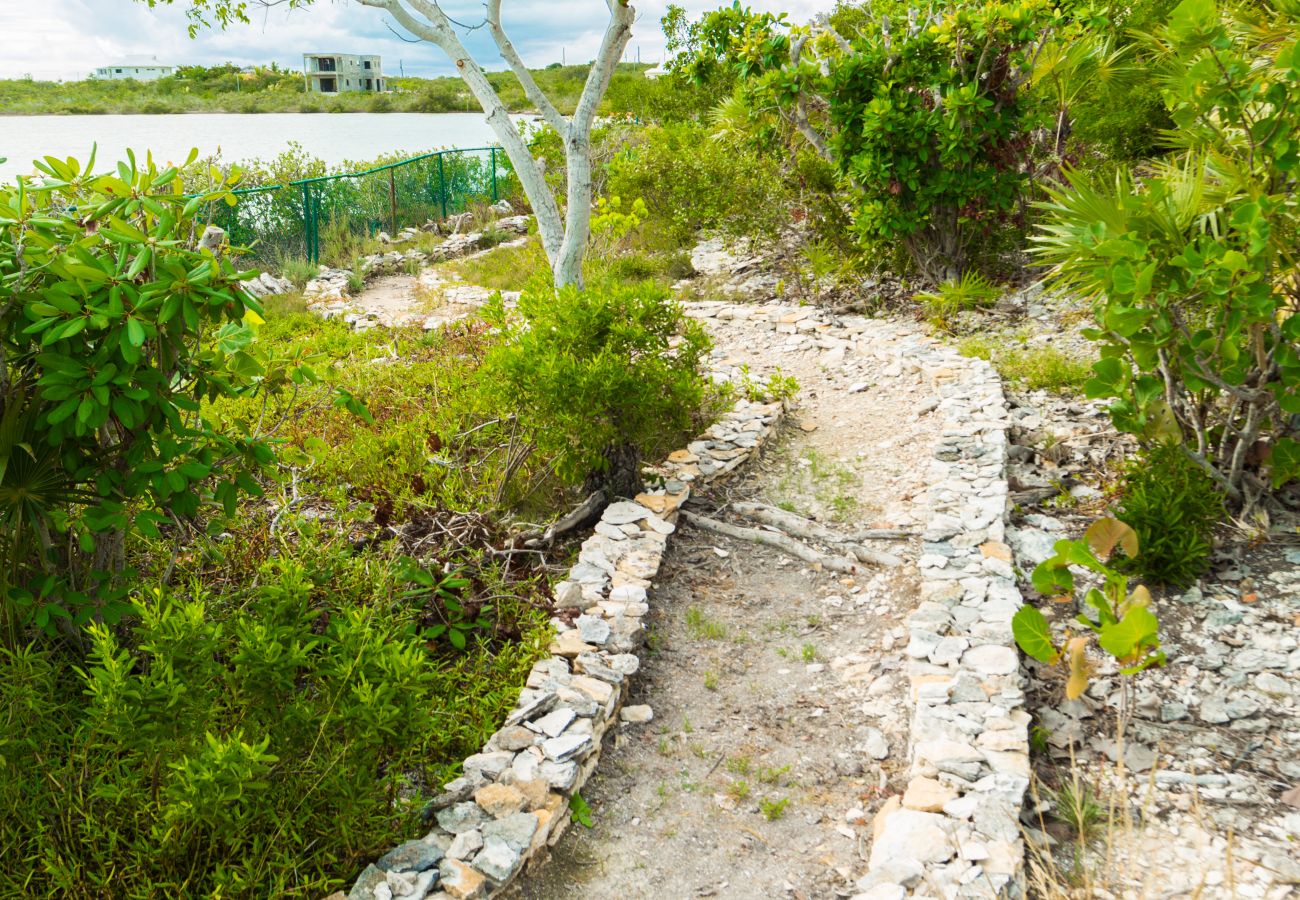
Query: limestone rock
[[500, 800], [461, 881], [413, 856], [927, 795]]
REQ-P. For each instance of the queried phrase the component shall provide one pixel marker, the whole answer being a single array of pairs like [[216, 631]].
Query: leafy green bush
[[692, 183], [1192, 268], [263, 744], [932, 124], [119, 322], [598, 377], [1173, 505]]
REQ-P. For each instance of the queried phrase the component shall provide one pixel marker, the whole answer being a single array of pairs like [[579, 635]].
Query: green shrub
[[598, 377], [1173, 505], [119, 324], [934, 174], [1190, 262], [263, 744], [692, 183]]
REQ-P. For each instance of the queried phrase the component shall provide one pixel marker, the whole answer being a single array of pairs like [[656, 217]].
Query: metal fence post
[[309, 225], [392, 202], [495, 198], [442, 186]]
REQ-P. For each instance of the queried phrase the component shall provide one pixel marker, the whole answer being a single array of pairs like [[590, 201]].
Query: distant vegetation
[[227, 89]]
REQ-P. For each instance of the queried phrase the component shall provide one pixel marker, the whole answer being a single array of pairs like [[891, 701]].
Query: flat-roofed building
[[139, 69], [338, 73]]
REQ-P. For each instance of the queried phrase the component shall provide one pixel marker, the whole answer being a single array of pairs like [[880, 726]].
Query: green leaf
[[134, 332], [1136, 631], [1284, 461], [1033, 635]]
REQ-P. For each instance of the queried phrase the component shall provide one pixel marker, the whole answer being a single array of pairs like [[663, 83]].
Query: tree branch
[[516, 63], [782, 542], [437, 30]]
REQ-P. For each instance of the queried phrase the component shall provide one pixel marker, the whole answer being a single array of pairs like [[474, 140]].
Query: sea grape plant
[[1121, 623]]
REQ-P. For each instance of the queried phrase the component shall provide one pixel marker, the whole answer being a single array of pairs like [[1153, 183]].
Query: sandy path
[[780, 719]]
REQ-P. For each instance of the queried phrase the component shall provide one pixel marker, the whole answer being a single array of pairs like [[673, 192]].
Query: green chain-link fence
[[297, 219]]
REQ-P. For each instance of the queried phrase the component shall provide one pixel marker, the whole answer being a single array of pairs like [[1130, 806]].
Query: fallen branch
[[782, 542], [810, 530], [579, 516]]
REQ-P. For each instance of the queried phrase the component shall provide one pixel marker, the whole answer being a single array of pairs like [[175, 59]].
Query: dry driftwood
[[782, 542], [810, 530]]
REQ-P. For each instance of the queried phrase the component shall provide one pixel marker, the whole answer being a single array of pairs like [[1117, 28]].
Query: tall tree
[[564, 236]]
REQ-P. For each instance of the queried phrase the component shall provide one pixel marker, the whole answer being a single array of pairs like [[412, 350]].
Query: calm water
[[334, 137]]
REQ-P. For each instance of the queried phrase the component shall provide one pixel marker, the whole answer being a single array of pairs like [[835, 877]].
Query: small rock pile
[[267, 285], [330, 290]]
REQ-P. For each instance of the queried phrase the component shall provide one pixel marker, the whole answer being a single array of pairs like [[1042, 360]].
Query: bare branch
[[516, 63]]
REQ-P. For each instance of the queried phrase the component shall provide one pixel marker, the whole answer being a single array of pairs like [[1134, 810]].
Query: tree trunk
[[567, 267], [565, 240], [621, 476]]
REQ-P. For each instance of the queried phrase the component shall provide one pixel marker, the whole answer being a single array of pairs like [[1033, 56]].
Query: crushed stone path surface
[[778, 692]]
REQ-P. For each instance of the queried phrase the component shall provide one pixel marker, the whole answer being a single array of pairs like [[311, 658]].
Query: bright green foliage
[[259, 745], [924, 115], [956, 295], [581, 810], [1036, 367], [691, 183], [1173, 505], [117, 326], [1192, 269], [1114, 107], [1124, 625], [598, 376], [932, 122]]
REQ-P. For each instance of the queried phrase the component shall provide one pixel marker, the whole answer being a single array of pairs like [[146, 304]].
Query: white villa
[[335, 73], [139, 69]]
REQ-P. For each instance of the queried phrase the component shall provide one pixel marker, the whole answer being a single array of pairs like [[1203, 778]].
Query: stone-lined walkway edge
[[955, 832], [513, 798]]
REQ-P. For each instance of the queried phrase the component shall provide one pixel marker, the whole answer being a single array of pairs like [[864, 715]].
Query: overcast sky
[[65, 39]]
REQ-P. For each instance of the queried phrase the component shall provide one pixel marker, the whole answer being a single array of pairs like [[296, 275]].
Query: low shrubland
[[267, 89], [258, 596]]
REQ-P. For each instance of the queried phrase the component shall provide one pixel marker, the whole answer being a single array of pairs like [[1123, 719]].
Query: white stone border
[[513, 799], [955, 832]]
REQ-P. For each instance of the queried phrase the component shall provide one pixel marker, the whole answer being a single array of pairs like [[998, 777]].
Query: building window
[[366, 64], [118, 71]]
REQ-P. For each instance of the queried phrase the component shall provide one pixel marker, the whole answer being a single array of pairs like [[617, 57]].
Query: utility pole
[[563, 61]]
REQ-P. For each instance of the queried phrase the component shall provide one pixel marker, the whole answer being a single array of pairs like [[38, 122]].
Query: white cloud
[[65, 39]]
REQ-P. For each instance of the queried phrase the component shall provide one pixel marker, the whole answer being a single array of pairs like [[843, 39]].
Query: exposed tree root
[[782, 542], [800, 527]]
